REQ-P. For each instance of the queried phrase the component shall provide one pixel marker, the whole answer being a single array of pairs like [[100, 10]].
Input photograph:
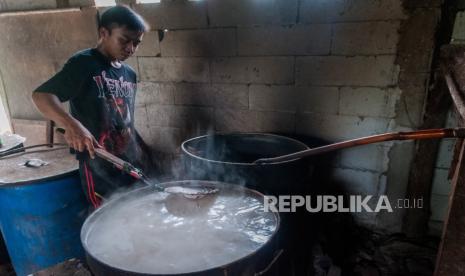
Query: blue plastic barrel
[[41, 210]]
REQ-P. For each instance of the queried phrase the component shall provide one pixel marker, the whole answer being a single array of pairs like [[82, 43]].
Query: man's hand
[[80, 139], [77, 136]]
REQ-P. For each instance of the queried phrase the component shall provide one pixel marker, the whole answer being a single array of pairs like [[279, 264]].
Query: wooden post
[[451, 254]]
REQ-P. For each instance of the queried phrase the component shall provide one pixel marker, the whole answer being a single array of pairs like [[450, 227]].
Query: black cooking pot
[[176, 207], [229, 158]]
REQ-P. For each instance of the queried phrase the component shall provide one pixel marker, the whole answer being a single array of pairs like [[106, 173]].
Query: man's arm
[[77, 136]]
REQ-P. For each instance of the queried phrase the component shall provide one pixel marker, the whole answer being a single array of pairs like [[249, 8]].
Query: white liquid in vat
[[162, 233]]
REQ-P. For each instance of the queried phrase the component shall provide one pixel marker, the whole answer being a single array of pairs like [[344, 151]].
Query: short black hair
[[119, 16]]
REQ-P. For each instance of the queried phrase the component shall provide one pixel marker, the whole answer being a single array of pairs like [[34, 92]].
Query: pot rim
[[185, 150], [86, 226]]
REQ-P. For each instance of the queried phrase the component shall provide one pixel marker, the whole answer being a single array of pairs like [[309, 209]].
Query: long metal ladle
[[412, 135], [194, 192]]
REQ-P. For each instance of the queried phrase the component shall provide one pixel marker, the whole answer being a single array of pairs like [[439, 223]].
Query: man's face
[[120, 43]]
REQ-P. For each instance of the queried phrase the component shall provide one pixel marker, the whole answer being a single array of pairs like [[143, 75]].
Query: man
[[101, 91]]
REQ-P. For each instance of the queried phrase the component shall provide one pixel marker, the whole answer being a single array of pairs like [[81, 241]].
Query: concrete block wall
[[328, 69]]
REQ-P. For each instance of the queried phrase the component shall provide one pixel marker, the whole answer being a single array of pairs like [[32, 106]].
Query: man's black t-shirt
[[101, 97]]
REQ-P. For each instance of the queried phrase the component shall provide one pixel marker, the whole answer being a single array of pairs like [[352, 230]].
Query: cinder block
[[364, 101], [318, 11], [193, 43], [346, 71], [368, 157], [231, 96], [336, 128], [446, 151], [195, 120], [439, 207], [276, 122], [318, 99], [251, 12], [459, 27], [441, 183], [289, 40], [150, 46], [357, 182], [161, 115], [264, 70], [217, 95], [179, 116], [25, 5], [141, 122], [165, 139], [312, 11], [174, 69], [174, 14], [132, 61], [230, 120], [155, 93], [194, 94], [273, 97], [81, 3], [367, 38]]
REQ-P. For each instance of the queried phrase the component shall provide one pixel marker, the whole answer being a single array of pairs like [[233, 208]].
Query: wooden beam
[[421, 173], [451, 255]]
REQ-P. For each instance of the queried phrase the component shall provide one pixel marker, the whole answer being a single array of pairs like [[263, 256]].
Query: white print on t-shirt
[[115, 88]]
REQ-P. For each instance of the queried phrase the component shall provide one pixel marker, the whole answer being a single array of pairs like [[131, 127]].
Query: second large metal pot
[[229, 158]]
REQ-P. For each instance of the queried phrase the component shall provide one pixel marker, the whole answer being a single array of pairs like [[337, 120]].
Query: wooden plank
[[33, 130], [36, 131], [451, 255]]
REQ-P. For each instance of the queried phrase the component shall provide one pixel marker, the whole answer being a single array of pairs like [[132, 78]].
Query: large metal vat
[[148, 232]]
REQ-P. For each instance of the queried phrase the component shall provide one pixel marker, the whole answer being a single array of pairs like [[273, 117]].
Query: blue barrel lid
[[34, 165]]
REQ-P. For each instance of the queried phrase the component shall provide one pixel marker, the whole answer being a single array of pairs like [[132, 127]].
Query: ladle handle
[[412, 135], [116, 161]]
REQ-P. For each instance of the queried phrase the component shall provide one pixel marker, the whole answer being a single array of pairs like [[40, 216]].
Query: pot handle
[[412, 135], [277, 255]]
